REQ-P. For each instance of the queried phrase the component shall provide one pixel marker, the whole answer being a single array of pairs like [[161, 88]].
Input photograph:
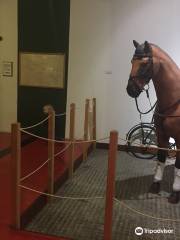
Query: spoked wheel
[[142, 134]]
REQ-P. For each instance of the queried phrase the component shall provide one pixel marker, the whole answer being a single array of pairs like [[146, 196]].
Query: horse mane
[[164, 55]]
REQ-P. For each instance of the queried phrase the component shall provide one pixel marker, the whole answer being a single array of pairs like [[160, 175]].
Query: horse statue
[[150, 62]]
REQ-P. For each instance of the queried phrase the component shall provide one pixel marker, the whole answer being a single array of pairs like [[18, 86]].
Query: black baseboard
[[106, 146]]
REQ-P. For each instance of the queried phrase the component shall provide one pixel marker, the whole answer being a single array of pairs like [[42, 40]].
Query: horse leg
[[163, 142], [175, 195]]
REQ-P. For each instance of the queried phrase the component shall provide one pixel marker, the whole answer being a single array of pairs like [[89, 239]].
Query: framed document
[[42, 69], [7, 69]]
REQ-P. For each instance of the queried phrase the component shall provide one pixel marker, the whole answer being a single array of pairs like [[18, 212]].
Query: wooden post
[[71, 137], [90, 124], [94, 121], [51, 144], [110, 189], [86, 121], [16, 174]]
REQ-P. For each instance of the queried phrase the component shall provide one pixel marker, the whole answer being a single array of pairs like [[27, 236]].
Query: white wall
[[8, 52], [90, 58], [101, 34]]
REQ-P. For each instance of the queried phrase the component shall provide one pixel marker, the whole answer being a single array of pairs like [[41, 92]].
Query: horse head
[[142, 69]]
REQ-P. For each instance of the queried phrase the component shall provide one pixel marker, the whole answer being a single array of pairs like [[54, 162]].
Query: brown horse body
[[167, 86], [165, 75]]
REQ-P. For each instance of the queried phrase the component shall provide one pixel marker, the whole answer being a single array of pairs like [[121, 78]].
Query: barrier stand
[[86, 121], [51, 135], [90, 124], [16, 173], [71, 137], [110, 189], [94, 122]]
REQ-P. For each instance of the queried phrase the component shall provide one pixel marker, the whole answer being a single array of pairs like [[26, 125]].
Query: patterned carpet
[[83, 219]]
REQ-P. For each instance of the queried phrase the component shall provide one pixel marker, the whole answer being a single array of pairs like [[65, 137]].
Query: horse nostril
[[128, 90], [132, 91]]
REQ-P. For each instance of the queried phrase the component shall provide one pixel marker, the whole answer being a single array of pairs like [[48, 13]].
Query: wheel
[[142, 134]]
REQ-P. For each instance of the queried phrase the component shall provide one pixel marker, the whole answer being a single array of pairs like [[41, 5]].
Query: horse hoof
[[155, 188], [174, 197]]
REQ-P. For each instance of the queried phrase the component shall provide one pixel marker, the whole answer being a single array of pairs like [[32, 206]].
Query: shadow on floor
[[134, 188]]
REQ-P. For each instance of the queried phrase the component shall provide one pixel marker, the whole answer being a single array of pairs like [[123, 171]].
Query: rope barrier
[[60, 141], [60, 114], [35, 125], [144, 214], [39, 123], [57, 196], [89, 198], [57, 154], [42, 165], [153, 147], [93, 198], [65, 113], [92, 141], [37, 169], [42, 138], [102, 139]]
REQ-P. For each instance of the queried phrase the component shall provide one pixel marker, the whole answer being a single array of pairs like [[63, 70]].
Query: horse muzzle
[[133, 90]]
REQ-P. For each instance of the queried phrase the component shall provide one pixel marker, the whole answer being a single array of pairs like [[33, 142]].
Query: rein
[[152, 107], [143, 113]]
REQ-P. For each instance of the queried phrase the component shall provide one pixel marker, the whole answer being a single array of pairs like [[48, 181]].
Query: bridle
[[151, 106], [146, 72]]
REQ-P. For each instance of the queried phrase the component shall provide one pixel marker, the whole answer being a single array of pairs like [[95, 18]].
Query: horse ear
[[136, 44], [147, 47]]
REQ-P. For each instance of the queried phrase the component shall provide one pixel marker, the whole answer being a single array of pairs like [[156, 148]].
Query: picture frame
[[7, 69], [45, 70]]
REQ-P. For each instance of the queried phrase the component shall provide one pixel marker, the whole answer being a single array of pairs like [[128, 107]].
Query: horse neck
[[166, 80]]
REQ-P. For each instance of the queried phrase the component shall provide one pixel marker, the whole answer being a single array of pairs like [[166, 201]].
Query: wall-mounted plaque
[[7, 69], [42, 69]]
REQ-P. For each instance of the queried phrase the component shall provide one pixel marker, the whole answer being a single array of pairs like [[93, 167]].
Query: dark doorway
[[43, 28]]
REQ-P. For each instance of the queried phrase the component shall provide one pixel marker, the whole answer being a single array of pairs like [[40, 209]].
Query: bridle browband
[[147, 73]]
